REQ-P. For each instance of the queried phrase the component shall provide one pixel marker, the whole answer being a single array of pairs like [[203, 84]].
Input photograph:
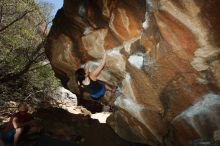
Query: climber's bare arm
[[15, 122], [94, 74], [86, 68]]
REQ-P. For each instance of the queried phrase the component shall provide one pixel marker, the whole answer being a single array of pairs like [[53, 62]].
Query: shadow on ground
[[62, 128]]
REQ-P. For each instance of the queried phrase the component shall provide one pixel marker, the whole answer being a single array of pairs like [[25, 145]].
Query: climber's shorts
[[100, 93], [9, 135]]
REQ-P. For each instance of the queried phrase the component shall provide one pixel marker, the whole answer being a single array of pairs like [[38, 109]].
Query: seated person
[[20, 124]]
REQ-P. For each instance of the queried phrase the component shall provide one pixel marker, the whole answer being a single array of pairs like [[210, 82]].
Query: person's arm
[[15, 122], [94, 74], [86, 68]]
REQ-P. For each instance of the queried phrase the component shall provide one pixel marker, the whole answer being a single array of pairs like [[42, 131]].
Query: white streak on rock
[[129, 105], [114, 51], [137, 60], [82, 10], [201, 111], [127, 77], [105, 9], [195, 126], [127, 99], [202, 107], [112, 26], [202, 56], [207, 52], [124, 18], [87, 30], [193, 22], [145, 24], [199, 64], [149, 5], [202, 81], [127, 102]]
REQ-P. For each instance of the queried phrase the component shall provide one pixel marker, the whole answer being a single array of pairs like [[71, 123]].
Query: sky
[[57, 4]]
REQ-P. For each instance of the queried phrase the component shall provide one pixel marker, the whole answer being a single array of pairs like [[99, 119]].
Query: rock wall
[[163, 54]]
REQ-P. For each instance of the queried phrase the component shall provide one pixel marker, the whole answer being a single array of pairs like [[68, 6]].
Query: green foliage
[[21, 37], [43, 77], [23, 25]]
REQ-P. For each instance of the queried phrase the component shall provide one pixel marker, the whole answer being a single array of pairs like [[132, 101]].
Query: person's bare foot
[[106, 108]]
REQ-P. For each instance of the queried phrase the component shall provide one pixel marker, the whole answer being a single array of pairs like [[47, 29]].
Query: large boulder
[[164, 55]]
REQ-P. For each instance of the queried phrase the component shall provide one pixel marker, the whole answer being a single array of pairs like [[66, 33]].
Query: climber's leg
[[110, 87]]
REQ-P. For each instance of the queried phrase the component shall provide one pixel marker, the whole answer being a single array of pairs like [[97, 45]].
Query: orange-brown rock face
[[163, 54]]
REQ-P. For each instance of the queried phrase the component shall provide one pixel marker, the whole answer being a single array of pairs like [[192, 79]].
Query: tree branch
[[1, 14], [32, 94], [39, 67], [13, 76], [17, 19], [25, 69]]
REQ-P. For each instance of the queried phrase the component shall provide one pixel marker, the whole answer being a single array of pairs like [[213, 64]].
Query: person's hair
[[80, 75], [23, 104]]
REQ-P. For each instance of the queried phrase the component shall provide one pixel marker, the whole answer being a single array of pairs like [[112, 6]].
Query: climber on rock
[[88, 81], [21, 124]]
